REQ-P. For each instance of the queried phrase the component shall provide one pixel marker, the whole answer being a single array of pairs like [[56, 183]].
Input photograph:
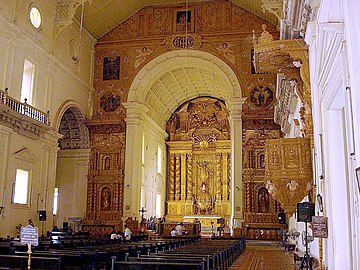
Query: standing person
[[127, 233], [31, 222]]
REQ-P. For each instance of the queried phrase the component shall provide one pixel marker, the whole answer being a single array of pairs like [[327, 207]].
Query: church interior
[[235, 118]]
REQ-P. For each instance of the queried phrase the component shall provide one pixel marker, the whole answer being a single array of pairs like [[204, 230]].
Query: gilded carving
[[199, 128], [288, 177], [288, 57]]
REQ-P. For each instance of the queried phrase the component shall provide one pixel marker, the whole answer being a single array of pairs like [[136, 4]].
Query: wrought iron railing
[[23, 108]]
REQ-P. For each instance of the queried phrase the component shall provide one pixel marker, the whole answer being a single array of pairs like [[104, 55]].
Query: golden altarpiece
[[199, 169]]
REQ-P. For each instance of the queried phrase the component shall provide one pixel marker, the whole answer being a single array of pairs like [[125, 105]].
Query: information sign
[[320, 227], [29, 235]]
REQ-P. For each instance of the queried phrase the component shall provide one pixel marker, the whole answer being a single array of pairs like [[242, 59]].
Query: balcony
[[22, 117]]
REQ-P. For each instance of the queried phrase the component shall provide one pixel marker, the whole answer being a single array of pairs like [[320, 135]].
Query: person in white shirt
[[114, 235], [178, 229], [127, 233], [173, 232]]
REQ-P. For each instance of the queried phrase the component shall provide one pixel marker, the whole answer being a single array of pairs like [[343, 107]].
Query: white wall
[[58, 80], [334, 42]]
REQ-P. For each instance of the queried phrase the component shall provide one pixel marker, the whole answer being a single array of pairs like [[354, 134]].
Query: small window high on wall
[[27, 81], [21, 187]]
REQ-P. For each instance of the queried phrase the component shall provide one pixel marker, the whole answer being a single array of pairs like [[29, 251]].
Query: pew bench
[[21, 262], [156, 265]]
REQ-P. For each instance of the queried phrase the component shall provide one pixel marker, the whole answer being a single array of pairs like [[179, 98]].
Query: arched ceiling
[[100, 16], [175, 86], [177, 76]]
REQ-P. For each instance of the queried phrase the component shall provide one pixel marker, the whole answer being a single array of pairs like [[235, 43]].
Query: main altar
[[199, 171]]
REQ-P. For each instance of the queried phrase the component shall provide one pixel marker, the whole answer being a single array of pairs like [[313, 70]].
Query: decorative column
[[133, 168], [183, 176], [236, 161], [177, 177], [172, 178]]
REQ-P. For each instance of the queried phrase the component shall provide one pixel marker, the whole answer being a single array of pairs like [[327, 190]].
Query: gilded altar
[[199, 171]]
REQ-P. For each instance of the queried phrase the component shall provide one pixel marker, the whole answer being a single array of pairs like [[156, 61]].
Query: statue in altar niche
[[205, 200]]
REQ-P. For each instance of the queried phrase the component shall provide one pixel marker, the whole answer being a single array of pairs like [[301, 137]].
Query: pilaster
[[236, 161], [133, 168]]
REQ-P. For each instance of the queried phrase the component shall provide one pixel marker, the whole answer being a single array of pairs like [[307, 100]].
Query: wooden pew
[[21, 262]]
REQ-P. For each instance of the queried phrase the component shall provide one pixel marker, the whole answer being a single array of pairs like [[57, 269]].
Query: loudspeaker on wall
[[305, 211], [42, 215]]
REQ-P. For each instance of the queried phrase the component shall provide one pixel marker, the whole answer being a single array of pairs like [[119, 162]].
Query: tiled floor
[[264, 257]]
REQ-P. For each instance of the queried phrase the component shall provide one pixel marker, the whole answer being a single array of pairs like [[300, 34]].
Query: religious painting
[[111, 68], [109, 102], [261, 96], [184, 21]]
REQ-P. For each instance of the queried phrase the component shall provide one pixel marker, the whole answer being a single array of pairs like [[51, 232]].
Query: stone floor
[[267, 257]]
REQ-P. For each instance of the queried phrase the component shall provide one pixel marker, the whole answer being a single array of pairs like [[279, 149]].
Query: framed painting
[[184, 21]]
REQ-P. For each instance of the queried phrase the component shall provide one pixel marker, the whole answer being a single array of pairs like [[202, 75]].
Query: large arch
[[158, 89], [177, 70]]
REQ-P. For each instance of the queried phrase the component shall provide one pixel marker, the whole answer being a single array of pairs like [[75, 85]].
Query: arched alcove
[[72, 165]]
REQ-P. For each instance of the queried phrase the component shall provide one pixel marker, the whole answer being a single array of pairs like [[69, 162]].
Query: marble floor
[[264, 257]]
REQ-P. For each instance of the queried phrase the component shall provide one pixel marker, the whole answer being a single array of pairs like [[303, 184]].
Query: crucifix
[[142, 211]]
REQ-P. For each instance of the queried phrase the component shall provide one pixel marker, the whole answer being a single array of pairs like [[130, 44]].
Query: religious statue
[[263, 200], [105, 199], [205, 202], [204, 174]]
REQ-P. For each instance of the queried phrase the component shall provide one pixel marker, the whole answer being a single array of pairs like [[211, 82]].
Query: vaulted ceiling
[[100, 16]]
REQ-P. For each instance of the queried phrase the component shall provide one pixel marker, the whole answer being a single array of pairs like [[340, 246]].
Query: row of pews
[[164, 253], [205, 254]]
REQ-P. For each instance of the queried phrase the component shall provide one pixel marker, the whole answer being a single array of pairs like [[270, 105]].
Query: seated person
[[114, 236], [127, 233], [173, 232], [179, 229]]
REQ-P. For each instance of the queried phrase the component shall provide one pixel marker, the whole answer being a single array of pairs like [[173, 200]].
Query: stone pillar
[[132, 176], [236, 162]]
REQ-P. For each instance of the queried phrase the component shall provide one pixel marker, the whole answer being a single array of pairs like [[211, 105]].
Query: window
[[35, 17], [158, 205], [27, 81], [159, 159], [56, 200], [21, 187]]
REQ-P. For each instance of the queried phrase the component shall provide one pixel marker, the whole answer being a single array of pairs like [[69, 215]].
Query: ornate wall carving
[[260, 208], [105, 180], [288, 170]]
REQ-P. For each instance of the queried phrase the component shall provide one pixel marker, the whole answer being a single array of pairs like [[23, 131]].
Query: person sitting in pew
[[127, 233], [179, 229], [173, 232], [114, 236]]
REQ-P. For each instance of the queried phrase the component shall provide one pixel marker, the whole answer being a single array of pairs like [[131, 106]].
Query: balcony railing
[[23, 108]]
